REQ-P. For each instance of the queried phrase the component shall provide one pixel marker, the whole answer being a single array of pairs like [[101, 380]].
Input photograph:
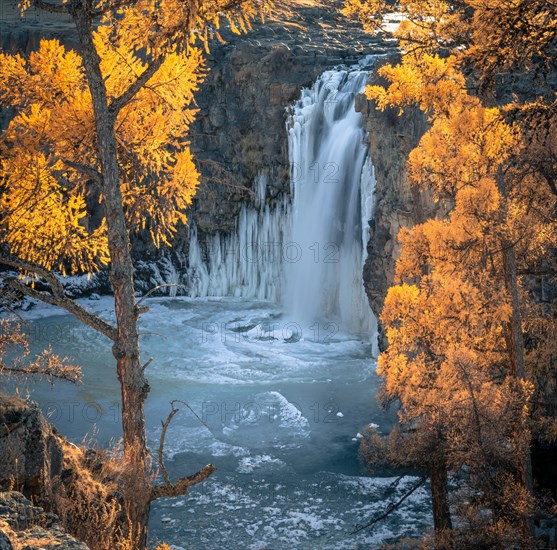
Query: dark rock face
[[30, 448], [28, 527], [240, 131]]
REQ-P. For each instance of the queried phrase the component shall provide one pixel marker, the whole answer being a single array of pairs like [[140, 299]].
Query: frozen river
[[278, 408]]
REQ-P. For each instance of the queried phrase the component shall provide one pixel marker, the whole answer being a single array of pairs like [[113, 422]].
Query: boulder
[[30, 448]]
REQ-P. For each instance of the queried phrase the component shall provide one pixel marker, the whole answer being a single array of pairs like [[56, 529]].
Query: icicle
[[308, 250]]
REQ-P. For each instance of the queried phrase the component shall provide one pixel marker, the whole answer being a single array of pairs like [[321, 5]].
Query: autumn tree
[[464, 401], [107, 124], [455, 322]]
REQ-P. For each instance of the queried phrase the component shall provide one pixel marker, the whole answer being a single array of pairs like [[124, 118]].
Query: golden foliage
[[369, 12], [430, 81], [49, 164], [495, 35], [49, 151], [451, 360]]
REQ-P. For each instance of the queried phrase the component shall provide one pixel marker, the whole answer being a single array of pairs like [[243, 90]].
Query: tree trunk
[[440, 501], [126, 347], [515, 349]]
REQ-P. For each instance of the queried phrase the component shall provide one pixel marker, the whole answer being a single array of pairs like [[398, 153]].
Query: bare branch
[[32, 267], [70, 306], [181, 487], [391, 507], [57, 297], [165, 425], [158, 287], [121, 101]]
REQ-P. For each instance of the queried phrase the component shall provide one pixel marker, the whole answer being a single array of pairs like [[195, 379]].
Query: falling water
[[308, 251], [331, 185]]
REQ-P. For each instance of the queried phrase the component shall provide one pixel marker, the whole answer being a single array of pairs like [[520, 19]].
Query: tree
[[453, 359], [107, 124], [455, 323]]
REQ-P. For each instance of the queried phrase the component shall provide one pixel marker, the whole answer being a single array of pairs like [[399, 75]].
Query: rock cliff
[[240, 131], [31, 456], [30, 448], [77, 487]]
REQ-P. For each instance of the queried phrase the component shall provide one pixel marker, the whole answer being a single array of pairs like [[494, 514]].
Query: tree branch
[[173, 411], [158, 287], [86, 170], [121, 101], [391, 507], [57, 371], [57, 297], [70, 306], [181, 487]]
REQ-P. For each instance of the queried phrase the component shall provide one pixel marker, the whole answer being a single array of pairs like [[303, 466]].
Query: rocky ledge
[[62, 478], [27, 527]]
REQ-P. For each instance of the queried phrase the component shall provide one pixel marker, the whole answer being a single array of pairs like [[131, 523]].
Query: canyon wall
[[240, 131]]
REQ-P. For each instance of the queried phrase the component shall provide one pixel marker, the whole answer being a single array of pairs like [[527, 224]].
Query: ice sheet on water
[[315, 512], [266, 419], [198, 440], [261, 463], [225, 341], [240, 342]]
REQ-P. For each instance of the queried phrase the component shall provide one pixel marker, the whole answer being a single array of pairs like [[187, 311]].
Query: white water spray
[[309, 249]]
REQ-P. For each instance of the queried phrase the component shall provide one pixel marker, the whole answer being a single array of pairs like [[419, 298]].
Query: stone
[[30, 448], [5, 543], [29, 527]]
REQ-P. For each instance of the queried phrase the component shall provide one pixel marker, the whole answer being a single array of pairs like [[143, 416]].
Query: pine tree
[[455, 322], [107, 123]]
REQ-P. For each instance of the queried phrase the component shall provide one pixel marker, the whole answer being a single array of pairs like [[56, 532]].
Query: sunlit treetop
[[51, 174], [496, 35]]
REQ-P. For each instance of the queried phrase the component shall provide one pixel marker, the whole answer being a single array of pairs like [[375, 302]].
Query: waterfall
[[332, 186], [308, 250]]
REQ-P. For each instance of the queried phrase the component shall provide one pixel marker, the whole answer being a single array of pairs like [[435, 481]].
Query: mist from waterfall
[[308, 250]]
